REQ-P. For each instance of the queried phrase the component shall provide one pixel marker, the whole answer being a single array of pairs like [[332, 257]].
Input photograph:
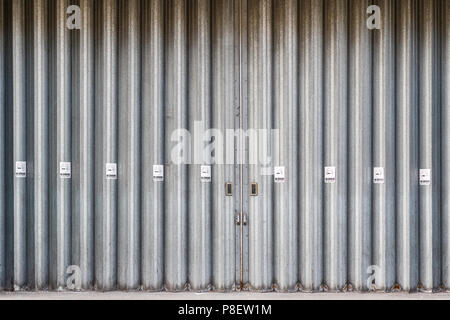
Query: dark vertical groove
[[37, 68], [19, 145], [176, 125], [153, 114], [129, 210], [106, 145], [83, 145], [445, 133], [383, 197], [2, 148], [9, 194]]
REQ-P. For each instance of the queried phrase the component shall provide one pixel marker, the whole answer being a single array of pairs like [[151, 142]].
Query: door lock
[[238, 219], [228, 189], [254, 189]]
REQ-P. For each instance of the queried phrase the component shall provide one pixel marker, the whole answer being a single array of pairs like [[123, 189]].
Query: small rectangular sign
[[330, 174], [279, 174], [425, 177], [21, 169], [111, 171], [205, 173], [158, 173], [65, 170], [378, 175]]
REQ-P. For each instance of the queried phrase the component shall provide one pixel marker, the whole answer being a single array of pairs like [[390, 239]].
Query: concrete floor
[[217, 296]]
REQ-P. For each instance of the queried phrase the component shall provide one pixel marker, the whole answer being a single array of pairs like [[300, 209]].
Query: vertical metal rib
[[129, 147], [60, 189], [360, 146], [2, 149], [199, 120], [310, 144], [406, 151], [176, 120], [425, 143], [286, 120], [260, 118], [37, 120], [83, 146], [19, 143], [152, 143], [428, 155], [384, 145], [335, 144], [223, 72], [241, 122], [445, 125], [106, 146], [437, 148]]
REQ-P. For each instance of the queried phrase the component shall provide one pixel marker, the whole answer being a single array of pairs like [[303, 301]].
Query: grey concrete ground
[[217, 296]]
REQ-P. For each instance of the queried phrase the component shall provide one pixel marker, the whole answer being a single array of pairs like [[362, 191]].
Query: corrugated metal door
[[354, 103], [224, 144], [112, 96]]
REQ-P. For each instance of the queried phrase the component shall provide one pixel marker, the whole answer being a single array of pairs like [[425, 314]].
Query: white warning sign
[[111, 171], [21, 169], [279, 174], [378, 175], [205, 173], [65, 170], [425, 177], [158, 173], [330, 174]]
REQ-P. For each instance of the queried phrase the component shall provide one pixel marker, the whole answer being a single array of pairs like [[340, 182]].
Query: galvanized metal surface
[[285, 105], [115, 92], [383, 145], [310, 144], [152, 122], [83, 126], [260, 116]]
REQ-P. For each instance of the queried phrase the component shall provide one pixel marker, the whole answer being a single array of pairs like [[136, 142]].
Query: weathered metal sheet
[[129, 208], [152, 122], [224, 73], [106, 146], [383, 200], [200, 196], [83, 152], [176, 118], [131, 92], [335, 142], [310, 167], [407, 149], [18, 208], [37, 157], [260, 117], [285, 112]]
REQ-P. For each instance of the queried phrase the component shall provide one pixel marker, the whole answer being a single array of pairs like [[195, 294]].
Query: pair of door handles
[[229, 189]]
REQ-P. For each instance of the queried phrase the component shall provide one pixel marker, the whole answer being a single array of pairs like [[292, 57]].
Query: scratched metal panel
[[310, 137], [152, 193], [260, 116], [383, 148], [83, 126], [225, 107], [285, 106], [118, 90]]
